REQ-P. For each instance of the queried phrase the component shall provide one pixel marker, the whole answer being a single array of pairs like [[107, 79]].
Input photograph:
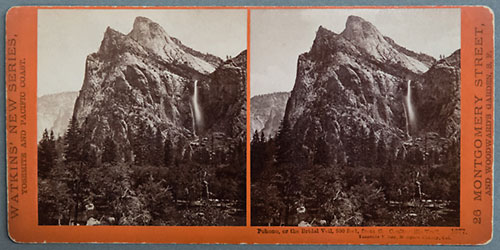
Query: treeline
[[82, 184], [369, 182]]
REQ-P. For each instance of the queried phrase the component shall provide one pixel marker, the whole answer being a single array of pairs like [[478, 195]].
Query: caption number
[[477, 216]]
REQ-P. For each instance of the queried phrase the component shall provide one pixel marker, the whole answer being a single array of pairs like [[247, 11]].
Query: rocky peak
[[142, 79], [112, 34], [453, 60], [360, 38], [110, 40], [369, 41], [358, 30], [114, 44], [324, 41], [151, 35], [323, 32], [149, 39], [145, 25], [145, 28], [240, 60], [354, 82]]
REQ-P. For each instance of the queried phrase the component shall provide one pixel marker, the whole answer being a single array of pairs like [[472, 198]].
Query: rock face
[[54, 112], [223, 98], [438, 95], [147, 78], [355, 83], [267, 111]]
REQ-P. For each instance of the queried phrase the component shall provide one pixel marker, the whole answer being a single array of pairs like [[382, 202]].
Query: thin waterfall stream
[[409, 111], [197, 117]]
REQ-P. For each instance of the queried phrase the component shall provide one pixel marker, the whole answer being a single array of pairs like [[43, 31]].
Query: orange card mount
[[268, 125]]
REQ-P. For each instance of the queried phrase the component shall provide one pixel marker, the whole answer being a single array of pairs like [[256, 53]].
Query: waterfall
[[409, 112], [197, 118], [406, 119], [193, 123]]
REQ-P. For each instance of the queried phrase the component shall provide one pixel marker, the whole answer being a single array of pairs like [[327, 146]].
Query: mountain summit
[[149, 38], [362, 38], [357, 82], [147, 79], [148, 33], [358, 30]]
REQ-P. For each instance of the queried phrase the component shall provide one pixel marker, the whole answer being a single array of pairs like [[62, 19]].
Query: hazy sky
[[66, 37], [277, 37]]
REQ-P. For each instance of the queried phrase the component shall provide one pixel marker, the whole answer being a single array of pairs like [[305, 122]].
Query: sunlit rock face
[[355, 83], [147, 78]]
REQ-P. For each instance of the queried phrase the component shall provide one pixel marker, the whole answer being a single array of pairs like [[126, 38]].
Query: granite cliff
[[267, 111], [147, 79], [356, 83]]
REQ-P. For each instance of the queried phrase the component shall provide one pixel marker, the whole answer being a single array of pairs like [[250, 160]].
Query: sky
[[66, 37], [278, 37]]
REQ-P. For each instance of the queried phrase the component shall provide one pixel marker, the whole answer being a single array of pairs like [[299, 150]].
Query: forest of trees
[[370, 183], [82, 185]]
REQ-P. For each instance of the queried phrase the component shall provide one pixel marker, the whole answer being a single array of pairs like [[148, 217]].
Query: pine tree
[[255, 138], [89, 155], [46, 154], [286, 177], [77, 159], [52, 140], [139, 144], [256, 155], [73, 142], [262, 136], [109, 152], [322, 154], [284, 143]]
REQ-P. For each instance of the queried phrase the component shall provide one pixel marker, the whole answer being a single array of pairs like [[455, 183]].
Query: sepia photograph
[[355, 117], [250, 124], [141, 117]]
